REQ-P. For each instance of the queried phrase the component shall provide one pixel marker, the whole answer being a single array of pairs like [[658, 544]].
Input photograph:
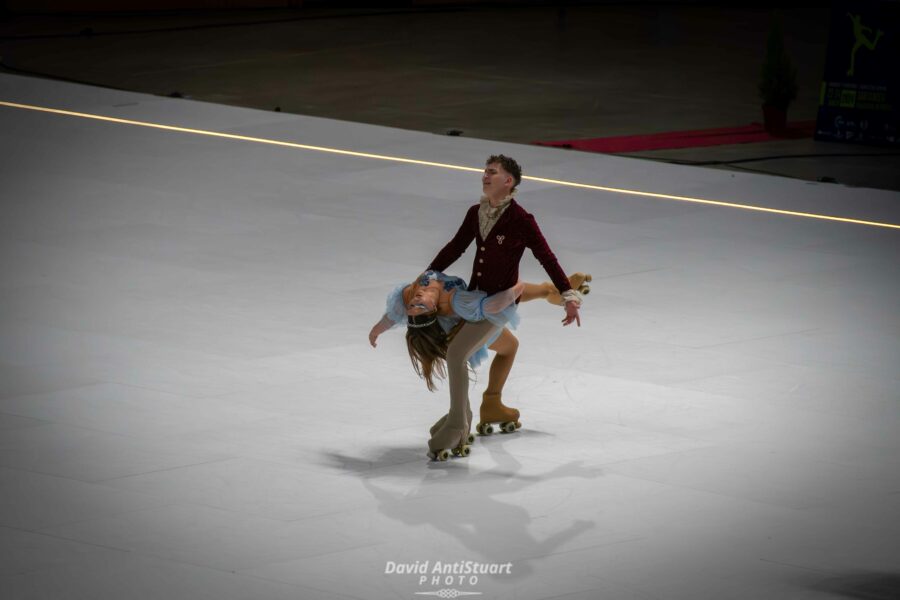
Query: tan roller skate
[[494, 411], [440, 422], [449, 440], [578, 281]]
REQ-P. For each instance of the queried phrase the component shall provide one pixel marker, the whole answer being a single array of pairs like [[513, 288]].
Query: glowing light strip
[[426, 163], [244, 138], [777, 211]]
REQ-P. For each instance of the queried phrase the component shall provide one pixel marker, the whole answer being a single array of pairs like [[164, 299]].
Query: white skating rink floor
[[190, 409]]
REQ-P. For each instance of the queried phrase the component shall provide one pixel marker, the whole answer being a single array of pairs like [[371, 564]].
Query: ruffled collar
[[493, 211]]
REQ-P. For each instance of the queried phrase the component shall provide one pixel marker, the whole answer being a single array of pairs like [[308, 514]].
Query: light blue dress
[[468, 306]]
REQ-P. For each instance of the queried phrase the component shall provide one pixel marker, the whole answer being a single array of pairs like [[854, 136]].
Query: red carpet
[[746, 134]]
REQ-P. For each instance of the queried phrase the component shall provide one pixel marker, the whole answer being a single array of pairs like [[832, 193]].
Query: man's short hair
[[509, 165]]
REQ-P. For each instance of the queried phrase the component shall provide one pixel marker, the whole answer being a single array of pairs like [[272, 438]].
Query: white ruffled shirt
[[489, 215]]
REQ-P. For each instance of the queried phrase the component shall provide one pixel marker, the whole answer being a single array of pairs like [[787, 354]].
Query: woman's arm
[[380, 327], [499, 301], [394, 313]]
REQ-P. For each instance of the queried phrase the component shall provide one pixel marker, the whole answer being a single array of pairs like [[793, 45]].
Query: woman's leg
[[535, 291], [506, 347], [492, 408], [547, 291], [454, 431]]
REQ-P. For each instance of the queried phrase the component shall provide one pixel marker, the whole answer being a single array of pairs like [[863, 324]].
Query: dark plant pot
[[774, 119]]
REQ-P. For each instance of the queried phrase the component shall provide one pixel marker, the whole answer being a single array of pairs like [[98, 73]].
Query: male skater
[[502, 230]]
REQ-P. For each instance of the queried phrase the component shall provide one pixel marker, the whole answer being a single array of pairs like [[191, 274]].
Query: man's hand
[[571, 314]]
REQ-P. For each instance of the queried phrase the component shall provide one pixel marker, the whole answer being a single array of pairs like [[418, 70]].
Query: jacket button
[[481, 260], [478, 274], [482, 248]]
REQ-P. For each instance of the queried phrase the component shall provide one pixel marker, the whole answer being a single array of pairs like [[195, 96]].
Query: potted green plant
[[778, 81]]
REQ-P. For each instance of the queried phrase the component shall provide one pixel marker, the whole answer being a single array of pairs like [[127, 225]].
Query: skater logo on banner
[[447, 579], [858, 101]]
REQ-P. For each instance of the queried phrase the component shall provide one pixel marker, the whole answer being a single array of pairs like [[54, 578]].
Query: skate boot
[[470, 439], [451, 436], [447, 441], [494, 411], [578, 281]]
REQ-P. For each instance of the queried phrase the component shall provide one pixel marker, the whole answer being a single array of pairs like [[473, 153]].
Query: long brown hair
[[427, 348]]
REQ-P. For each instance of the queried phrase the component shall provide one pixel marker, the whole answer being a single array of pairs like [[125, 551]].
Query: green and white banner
[[859, 100]]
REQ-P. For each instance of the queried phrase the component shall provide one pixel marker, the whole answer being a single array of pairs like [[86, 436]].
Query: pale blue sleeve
[[470, 306], [394, 308]]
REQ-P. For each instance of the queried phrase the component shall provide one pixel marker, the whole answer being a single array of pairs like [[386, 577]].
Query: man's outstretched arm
[[545, 256], [456, 246]]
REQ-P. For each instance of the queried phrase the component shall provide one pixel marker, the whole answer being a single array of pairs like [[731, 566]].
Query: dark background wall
[[56, 6]]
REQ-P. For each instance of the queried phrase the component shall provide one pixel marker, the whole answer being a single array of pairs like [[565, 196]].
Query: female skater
[[436, 303]]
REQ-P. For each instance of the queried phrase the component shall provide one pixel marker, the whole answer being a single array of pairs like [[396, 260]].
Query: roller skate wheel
[[508, 427], [463, 450], [471, 438], [439, 456], [485, 429], [585, 289]]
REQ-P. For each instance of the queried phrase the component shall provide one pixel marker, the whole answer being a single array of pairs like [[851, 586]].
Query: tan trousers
[[455, 428]]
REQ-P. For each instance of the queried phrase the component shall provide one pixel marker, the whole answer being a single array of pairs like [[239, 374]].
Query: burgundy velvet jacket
[[496, 265]]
